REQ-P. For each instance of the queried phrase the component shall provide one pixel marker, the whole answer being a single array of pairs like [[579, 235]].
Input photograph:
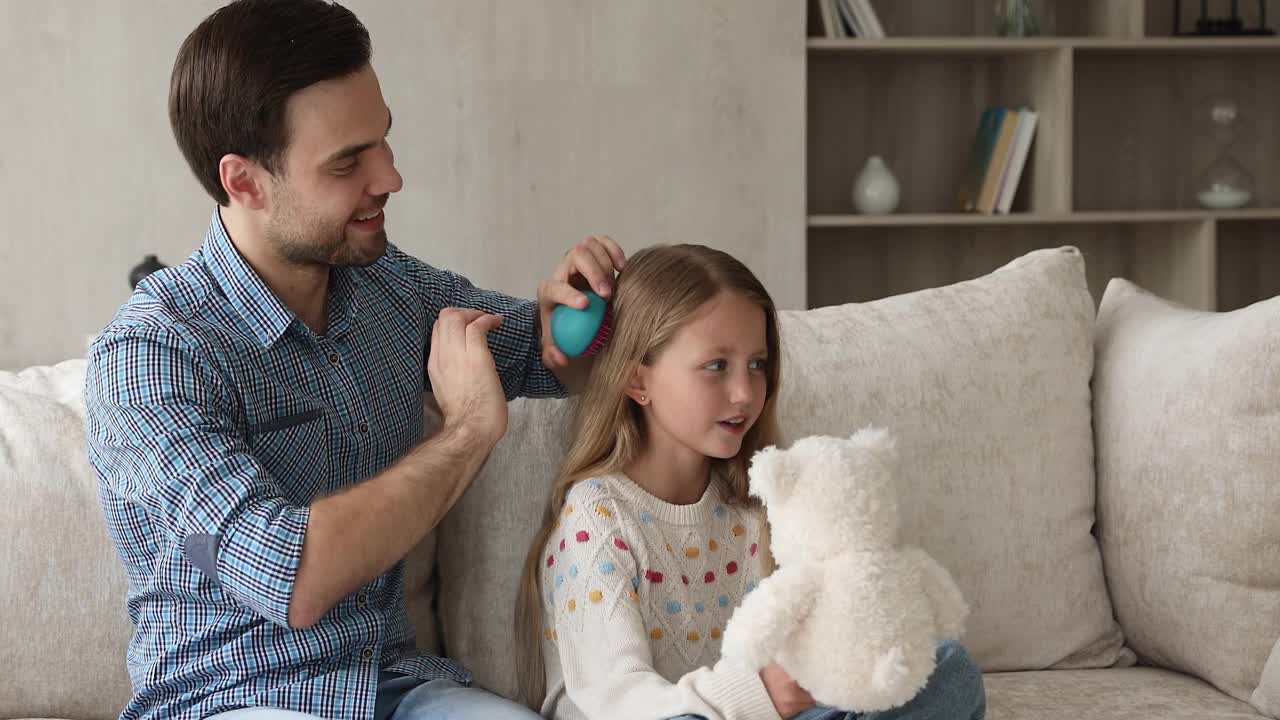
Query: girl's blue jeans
[[954, 692]]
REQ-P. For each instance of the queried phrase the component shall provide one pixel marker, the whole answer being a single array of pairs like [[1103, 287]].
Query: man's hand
[[788, 697], [463, 376], [594, 260]]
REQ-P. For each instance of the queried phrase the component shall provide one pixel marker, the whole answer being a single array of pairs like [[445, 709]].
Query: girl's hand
[[788, 697]]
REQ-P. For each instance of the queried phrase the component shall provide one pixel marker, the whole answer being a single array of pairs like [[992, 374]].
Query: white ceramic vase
[[875, 192]]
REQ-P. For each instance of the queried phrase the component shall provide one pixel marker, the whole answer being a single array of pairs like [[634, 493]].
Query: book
[[831, 25], [850, 18], [1021, 147], [868, 18], [980, 155], [1003, 178], [999, 158]]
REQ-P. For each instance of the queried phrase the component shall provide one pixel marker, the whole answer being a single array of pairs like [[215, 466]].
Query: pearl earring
[[644, 398]]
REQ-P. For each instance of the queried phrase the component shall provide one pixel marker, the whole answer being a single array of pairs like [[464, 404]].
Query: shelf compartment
[[1172, 259], [969, 18], [980, 46], [1178, 45], [1089, 217], [1016, 46], [1158, 15], [920, 113], [1136, 140], [1248, 262]]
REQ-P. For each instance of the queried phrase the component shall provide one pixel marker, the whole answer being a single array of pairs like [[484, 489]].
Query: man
[[255, 414]]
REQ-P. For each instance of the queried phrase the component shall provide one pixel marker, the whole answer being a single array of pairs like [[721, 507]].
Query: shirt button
[[367, 653], [362, 599], [364, 427], [333, 358]]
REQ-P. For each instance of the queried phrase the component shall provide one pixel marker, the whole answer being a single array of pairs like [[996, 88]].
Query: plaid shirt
[[215, 417]]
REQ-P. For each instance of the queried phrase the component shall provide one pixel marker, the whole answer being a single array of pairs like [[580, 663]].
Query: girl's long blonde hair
[[660, 289]]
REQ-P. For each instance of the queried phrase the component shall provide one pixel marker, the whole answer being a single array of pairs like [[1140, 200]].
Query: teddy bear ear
[[770, 474], [877, 442]]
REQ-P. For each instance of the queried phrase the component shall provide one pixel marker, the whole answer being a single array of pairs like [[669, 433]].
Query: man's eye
[[345, 169]]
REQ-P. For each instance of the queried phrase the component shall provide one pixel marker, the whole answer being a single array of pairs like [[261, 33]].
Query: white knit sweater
[[637, 593]]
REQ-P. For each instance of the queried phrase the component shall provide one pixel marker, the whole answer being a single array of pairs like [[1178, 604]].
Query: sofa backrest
[[62, 587]]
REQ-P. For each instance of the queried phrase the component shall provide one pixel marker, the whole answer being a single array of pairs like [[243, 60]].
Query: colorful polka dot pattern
[[711, 563]]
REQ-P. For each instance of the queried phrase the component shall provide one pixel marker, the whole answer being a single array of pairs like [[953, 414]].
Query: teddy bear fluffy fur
[[853, 616]]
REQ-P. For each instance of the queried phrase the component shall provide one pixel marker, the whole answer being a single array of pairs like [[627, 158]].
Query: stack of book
[[849, 18], [999, 154]]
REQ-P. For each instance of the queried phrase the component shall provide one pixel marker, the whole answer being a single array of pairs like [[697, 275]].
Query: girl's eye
[[759, 364], [715, 365]]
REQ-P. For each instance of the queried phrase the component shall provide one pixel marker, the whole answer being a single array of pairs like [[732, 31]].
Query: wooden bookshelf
[[1112, 169], [1010, 46]]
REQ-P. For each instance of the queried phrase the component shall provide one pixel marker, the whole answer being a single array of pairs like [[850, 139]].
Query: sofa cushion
[[484, 538], [1116, 694], [62, 588], [1187, 415], [985, 384], [420, 578]]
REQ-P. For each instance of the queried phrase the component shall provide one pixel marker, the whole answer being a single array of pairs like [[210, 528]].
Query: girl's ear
[[637, 386]]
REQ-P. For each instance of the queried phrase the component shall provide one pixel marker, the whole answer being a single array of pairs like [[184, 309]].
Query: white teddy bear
[[850, 614]]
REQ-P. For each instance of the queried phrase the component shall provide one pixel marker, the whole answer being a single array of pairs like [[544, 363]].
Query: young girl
[[649, 539]]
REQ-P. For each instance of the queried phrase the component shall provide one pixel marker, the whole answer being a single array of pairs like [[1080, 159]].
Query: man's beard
[[309, 241]]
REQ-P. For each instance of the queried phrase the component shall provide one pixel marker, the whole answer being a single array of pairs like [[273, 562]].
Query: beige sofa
[[1023, 420]]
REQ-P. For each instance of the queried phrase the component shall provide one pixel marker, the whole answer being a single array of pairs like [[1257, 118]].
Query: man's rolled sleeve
[[162, 435]]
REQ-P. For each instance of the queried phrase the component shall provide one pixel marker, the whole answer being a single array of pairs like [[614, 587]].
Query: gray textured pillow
[[985, 384], [1187, 416]]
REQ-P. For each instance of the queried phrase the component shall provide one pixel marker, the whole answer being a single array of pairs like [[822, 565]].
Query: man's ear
[[636, 386], [244, 180]]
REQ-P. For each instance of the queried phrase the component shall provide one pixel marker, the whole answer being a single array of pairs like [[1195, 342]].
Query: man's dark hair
[[235, 73]]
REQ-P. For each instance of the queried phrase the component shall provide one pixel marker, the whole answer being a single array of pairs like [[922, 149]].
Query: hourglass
[[1224, 182]]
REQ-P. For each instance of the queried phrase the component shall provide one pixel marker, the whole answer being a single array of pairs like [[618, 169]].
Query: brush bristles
[[602, 333]]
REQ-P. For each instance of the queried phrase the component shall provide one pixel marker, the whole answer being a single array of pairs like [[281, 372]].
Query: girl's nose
[[740, 388]]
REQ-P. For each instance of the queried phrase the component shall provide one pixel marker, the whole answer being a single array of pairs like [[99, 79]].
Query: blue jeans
[[406, 698], [954, 692]]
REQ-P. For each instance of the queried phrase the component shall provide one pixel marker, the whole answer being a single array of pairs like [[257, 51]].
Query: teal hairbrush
[[579, 333]]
